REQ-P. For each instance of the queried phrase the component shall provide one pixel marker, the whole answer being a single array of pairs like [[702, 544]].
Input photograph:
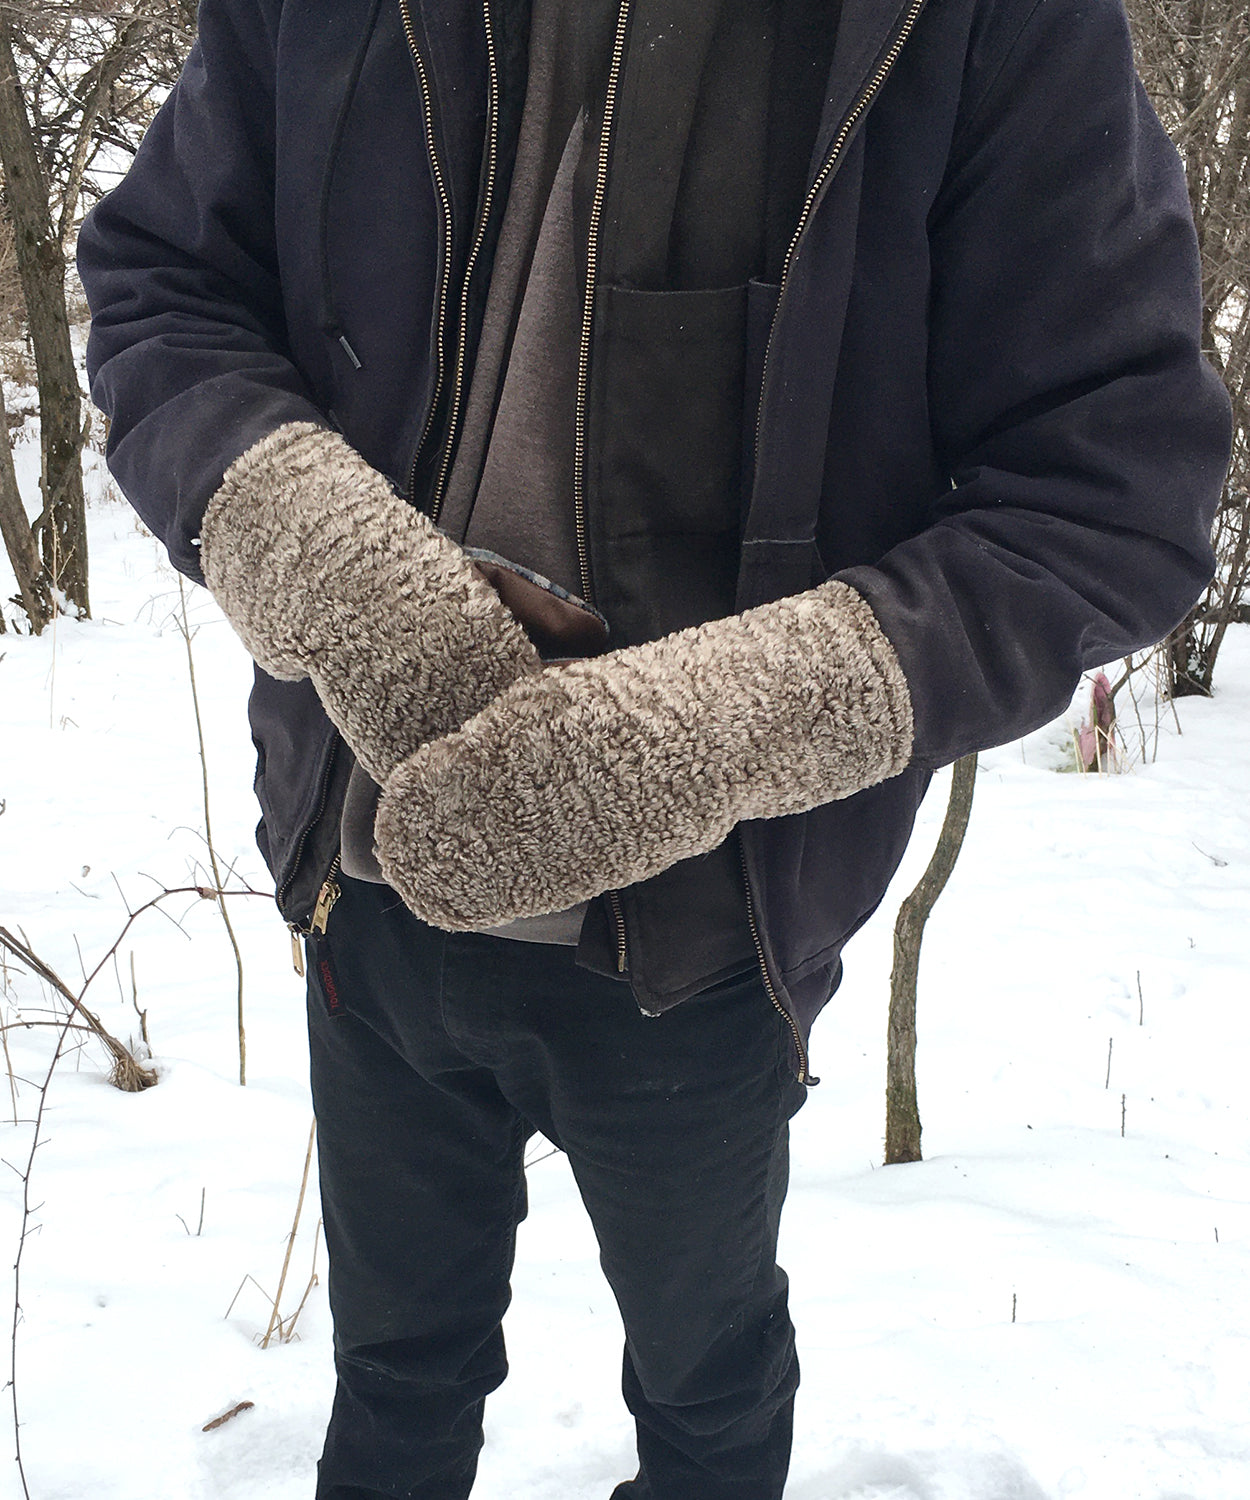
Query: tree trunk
[[62, 525], [902, 1113], [33, 585], [1194, 57]]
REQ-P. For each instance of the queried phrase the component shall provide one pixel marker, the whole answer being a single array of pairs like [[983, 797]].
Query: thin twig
[[288, 1329], [208, 827], [21, 1246], [30, 1025], [134, 1000], [128, 1073], [239, 1293], [199, 1227], [275, 1320], [8, 1064], [226, 1416]]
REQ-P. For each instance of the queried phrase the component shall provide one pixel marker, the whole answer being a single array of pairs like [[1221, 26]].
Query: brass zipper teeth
[[323, 796], [488, 192], [805, 1073], [326, 897], [444, 197], [884, 69], [588, 305], [583, 375]]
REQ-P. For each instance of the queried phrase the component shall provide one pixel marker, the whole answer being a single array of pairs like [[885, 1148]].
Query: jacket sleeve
[[1085, 433], [187, 354]]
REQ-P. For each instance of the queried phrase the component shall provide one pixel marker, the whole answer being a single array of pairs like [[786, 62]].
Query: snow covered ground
[[1053, 1304]]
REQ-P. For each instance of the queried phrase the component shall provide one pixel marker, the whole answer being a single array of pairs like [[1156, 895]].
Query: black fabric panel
[[685, 206], [718, 218], [806, 31], [666, 406]]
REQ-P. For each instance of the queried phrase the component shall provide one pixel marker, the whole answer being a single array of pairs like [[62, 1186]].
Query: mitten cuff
[[602, 773], [255, 536]]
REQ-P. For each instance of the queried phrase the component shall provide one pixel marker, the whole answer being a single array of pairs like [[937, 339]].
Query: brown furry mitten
[[325, 573], [601, 773]]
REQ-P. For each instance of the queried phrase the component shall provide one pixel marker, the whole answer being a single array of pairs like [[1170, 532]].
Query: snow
[[1051, 1305]]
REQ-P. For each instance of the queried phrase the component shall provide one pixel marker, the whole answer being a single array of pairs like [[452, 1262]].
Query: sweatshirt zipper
[[871, 89], [804, 1073], [583, 379], [588, 302], [444, 273], [479, 237], [329, 891]]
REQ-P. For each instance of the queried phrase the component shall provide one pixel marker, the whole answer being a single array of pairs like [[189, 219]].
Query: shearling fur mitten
[[600, 773], [326, 573]]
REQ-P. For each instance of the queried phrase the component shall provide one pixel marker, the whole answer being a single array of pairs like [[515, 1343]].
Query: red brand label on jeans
[[329, 989]]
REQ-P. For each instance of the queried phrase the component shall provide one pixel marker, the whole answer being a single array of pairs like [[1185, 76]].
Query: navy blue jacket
[[984, 403]]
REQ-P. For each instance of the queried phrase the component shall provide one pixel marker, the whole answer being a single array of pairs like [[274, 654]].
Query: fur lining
[[601, 773], [326, 573]]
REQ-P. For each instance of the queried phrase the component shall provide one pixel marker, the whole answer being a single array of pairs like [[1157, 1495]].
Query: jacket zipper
[[326, 897], [588, 302], [870, 92], [618, 921], [583, 379], [323, 793], [294, 927], [805, 1072], [488, 193], [444, 274]]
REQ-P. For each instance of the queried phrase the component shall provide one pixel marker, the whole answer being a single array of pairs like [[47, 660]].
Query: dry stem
[[275, 1319], [208, 828], [21, 1246]]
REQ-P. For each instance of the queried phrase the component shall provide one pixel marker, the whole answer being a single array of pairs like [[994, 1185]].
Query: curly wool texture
[[325, 573], [601, 773]]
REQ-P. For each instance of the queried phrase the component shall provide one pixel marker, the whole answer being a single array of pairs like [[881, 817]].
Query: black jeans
[[434, 1058]]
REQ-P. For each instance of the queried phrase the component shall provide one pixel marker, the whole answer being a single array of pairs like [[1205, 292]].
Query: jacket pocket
[[666, 445]]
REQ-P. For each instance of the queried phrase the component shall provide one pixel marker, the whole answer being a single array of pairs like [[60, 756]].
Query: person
[[637, 447]]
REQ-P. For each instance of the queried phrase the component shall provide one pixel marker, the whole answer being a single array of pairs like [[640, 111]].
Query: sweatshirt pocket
[[665, 431]]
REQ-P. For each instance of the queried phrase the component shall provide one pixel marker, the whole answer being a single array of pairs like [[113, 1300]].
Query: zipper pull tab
[[297, 950], [326, 897]]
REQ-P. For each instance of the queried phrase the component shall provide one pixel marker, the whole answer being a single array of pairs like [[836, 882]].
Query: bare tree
[[34, 587], [79, 80], [1194, 57]]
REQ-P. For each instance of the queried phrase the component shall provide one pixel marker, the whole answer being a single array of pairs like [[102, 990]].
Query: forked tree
[[79, 80]]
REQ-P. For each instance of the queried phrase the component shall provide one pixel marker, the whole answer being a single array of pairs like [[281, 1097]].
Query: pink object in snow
[[1095, 740]]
